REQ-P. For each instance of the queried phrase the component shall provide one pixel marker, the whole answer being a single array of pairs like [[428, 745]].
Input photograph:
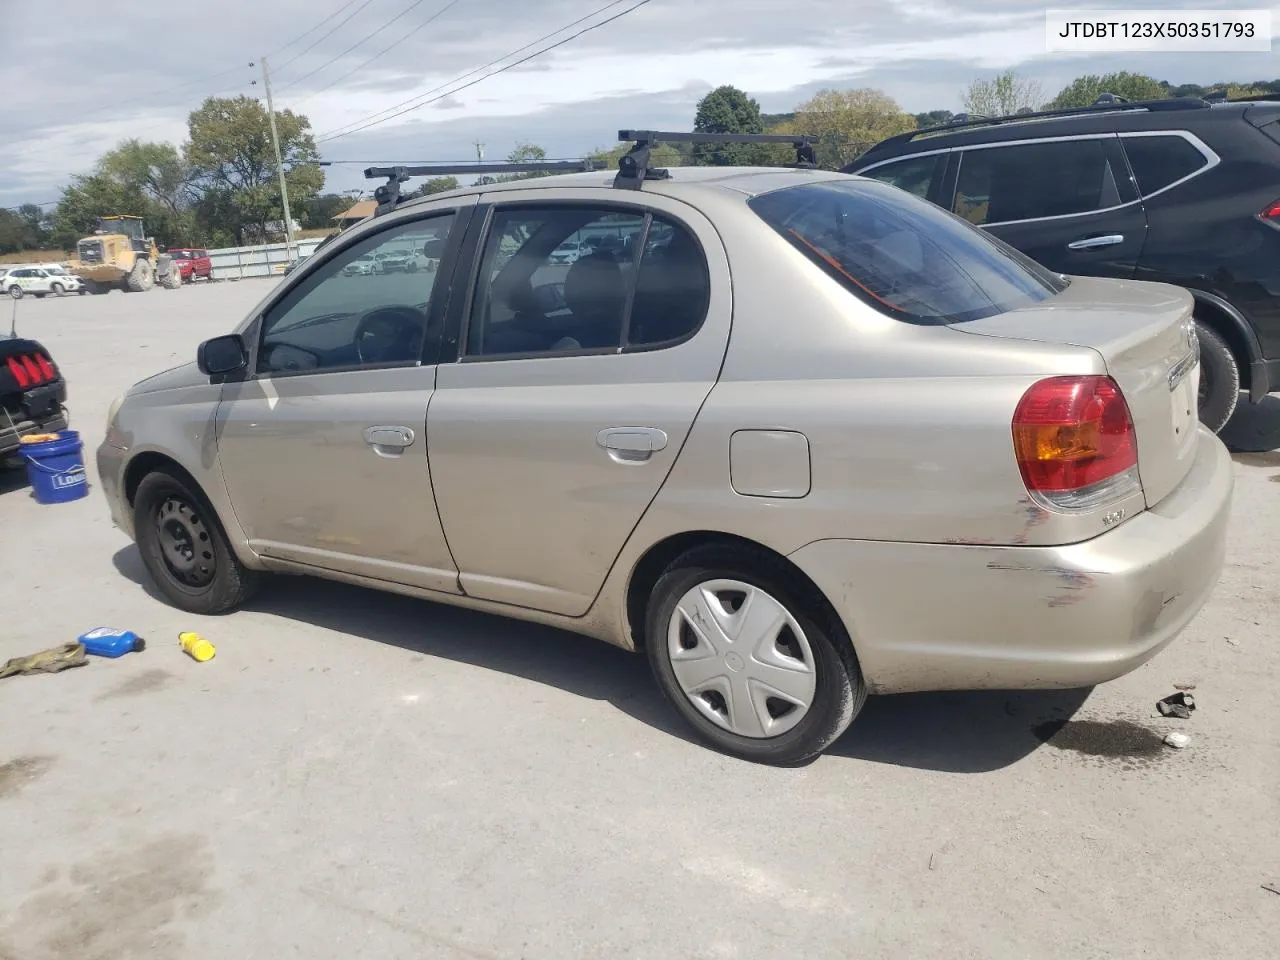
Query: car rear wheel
[[1219, 379], [16, 292], [751, 656], [185, 549]]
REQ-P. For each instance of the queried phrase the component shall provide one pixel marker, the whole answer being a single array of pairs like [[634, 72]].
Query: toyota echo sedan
[[823, 439]]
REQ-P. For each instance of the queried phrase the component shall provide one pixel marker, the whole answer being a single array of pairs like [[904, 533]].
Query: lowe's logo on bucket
[[69, 479]]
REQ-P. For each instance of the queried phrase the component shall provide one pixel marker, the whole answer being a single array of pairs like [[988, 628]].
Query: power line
[[336, 27], [312, 30], [385, 50], [369, 121]]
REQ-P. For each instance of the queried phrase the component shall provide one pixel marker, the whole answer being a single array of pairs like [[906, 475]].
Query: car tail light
[[46, 368], [33, 371], [19, 373], [1075, 442], [1271, 214]]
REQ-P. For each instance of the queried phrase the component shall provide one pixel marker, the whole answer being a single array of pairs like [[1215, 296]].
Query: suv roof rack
[[388, 195], [1106, 103], [634, 169]]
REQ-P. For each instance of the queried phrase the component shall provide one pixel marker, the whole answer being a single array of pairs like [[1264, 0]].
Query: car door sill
[[520, 593], [385, 571]]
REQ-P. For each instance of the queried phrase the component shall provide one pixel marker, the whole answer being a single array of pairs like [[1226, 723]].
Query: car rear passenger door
[[573, 388], [1069, 203]]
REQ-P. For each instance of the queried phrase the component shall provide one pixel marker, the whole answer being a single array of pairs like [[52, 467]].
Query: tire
[[16, 292], [171, 278], [212, 579], [819, 663], [141, 277], [57, 289], [1219, 379]]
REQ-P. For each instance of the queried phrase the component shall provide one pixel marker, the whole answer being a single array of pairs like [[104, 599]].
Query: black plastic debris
[[1178, 705]]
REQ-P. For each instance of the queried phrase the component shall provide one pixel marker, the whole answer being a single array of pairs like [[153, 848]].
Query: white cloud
[[72, 95]]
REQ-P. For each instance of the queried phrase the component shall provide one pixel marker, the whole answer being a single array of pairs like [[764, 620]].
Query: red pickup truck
[[192, 263]]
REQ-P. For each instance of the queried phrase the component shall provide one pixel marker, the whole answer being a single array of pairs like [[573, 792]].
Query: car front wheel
[[185, 548], [751, 655]]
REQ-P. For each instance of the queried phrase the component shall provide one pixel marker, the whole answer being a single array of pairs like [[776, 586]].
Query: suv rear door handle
[[1089, 243], [631, 444]]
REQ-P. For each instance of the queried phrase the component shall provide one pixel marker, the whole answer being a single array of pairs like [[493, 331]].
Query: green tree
[[848, 123], [524, 153], [436, 185], [933, 118], [727, 109], [1003, 95], [26, 228], [662, 155], [95, 195], [1082, 91], [230, 152]]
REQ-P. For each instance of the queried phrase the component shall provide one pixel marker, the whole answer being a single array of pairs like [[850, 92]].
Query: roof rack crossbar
[[388, 195], [634, 169]]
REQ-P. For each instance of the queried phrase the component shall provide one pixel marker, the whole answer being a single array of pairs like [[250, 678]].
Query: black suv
[[1180, 191]]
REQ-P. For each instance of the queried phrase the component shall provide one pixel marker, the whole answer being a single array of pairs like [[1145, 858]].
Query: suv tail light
[[1270, 214], [1075, 442]]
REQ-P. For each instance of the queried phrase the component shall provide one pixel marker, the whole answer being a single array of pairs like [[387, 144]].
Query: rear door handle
[[388, 441], [631, 444], [1089, 243]]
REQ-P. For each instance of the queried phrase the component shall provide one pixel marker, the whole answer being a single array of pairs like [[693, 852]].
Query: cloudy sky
[[73, 89]]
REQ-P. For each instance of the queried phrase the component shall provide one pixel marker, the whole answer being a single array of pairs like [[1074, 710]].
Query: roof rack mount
[[388, 195], [634, 169]]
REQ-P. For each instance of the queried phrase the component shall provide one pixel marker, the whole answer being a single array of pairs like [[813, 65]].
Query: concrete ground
[[365, 775]]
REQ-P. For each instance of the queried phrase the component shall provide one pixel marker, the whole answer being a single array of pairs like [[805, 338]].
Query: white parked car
[[40, 281]]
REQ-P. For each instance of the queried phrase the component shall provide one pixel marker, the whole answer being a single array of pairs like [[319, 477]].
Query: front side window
[[1159, 161], [1030, 181], [568, 279], [914, 174], [334, 320], [903, 255]]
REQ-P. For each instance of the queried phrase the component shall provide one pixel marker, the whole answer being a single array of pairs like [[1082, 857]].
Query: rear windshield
[[903, 255]]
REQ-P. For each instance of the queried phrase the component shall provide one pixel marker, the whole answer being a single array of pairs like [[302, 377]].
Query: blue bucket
[[56, 468]]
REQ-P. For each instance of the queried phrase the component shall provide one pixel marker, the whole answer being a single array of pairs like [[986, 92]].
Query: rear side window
[[914, 174], [902, 255], [1159, 161], [1031, 181]]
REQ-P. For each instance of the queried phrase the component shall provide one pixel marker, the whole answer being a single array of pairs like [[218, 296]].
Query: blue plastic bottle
[[107, 642]]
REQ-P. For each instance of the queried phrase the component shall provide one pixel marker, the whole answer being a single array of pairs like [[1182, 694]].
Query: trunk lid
[[1146, 337]]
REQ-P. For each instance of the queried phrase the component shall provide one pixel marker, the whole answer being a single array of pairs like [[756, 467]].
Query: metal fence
[[263, 260]]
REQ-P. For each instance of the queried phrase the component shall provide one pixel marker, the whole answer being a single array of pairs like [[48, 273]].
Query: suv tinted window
[[903, 255], [1034, 180], [332, 320], [1160, 161], [914, 174], [558, 279]]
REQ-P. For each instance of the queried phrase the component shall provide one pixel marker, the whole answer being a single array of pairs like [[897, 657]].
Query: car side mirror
[[222, 355]]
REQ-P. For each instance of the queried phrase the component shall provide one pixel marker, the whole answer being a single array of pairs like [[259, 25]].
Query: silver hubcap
[[741, 658]]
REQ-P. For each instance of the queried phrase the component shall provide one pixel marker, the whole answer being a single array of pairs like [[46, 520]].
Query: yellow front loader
[[120, 256]]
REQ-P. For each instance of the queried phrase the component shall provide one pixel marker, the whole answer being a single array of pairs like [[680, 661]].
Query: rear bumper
[[957, 617], [11, 435]]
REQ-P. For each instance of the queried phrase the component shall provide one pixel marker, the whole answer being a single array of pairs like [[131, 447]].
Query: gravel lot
[[359, 774]]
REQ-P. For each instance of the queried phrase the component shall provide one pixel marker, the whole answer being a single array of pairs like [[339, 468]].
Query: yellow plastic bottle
[[196, 646]]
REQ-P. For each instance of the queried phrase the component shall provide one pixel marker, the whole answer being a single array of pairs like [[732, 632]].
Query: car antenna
[[388, 195], [634, 169], [13, 321]]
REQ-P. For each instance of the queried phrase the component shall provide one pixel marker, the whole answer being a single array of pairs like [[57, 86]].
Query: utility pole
[[275, 141], [479, 152]]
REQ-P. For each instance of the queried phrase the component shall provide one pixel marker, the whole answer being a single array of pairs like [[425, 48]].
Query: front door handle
[[631, 444], [1090, 243], [388, 441]]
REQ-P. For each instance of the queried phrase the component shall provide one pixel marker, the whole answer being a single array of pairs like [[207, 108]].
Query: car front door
[[573, 388], [323, 445], [1069, 204]]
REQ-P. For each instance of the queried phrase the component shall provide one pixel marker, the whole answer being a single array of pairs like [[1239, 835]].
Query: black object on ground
[[1178, 705]]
